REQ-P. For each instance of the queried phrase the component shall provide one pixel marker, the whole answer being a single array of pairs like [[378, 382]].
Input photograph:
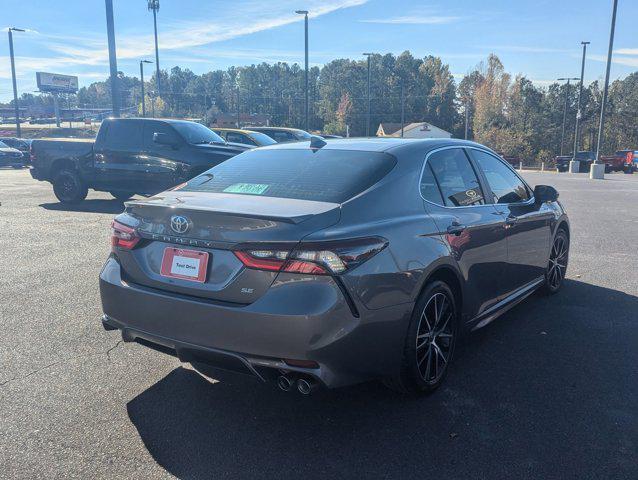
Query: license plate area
[[185, 264]]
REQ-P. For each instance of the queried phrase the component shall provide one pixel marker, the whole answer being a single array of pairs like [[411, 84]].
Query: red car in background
[[622, 161]]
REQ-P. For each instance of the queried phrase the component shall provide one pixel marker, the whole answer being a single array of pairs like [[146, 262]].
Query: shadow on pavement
[[88, 206], [547, 391]]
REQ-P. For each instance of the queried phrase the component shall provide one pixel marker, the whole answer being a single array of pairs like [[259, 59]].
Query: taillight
[[317, 258], [123, 236]]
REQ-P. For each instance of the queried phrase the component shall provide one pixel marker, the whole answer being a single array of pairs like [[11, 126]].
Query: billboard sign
[[55, 82]]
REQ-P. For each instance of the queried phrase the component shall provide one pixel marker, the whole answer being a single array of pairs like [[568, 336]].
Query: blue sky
[[540, 39]]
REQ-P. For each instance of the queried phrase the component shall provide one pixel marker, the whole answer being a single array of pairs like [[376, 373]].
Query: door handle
[[455, 228], [510, 220]]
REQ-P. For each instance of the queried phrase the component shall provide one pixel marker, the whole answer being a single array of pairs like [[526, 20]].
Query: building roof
[[389, 128]]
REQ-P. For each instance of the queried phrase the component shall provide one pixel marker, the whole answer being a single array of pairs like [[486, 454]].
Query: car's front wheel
[[557, 267], [430, 341], [68, 187]]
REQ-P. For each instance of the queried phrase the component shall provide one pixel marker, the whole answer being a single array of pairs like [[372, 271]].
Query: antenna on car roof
[[316, 142]]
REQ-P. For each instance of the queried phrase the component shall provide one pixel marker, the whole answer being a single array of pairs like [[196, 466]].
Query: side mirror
[[545, 193], [164, 139]]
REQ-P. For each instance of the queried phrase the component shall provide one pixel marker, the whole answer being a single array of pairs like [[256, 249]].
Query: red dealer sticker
[[185, 264]]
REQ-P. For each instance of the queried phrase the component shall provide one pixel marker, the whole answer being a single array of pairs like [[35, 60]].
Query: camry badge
[[180, 224]]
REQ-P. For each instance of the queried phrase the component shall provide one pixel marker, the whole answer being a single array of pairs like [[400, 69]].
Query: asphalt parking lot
[[550, 390]]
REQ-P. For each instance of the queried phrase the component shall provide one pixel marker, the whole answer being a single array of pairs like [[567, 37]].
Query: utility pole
[[562, 133], [13, 78], [110, 31], [368, 90], [402, 108], [596, 170], [238, 120], [154, 6], [142, 62], [307, 109], [467, 118], [580, 94]]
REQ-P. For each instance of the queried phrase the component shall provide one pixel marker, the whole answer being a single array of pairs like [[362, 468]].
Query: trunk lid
[[216, 223]]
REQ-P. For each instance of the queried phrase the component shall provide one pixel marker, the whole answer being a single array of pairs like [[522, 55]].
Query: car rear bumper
[[298, 320]]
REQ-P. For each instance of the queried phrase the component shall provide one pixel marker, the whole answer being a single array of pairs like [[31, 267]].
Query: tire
[[425, 361], [122, 196], [557, 266], [68, 187]]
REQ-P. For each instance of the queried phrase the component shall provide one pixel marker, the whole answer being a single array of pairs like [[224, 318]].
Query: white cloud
[[415, 20], [70, 52], [617, 59], [525, 49], [627, 51]]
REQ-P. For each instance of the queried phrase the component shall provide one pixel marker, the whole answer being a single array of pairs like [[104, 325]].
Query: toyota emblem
[[180, 224]]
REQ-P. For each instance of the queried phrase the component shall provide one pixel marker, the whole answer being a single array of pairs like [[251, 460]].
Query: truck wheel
[[68, 187], [121, 196]]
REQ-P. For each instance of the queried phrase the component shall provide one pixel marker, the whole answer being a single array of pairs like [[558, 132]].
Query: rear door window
[[429, 188], [124, 134], [283, 137], [236, 137], [324, 175], [456, 178]]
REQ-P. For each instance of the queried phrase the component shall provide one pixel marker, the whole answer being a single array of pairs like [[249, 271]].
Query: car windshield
[[197, 133], [4, 145], [262, 139], [323, 176]]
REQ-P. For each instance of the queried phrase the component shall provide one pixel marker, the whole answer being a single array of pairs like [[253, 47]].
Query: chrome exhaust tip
[[284, 382], [306, 386]]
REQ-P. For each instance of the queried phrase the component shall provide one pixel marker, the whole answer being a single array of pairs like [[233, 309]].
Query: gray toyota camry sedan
[[326, 264]]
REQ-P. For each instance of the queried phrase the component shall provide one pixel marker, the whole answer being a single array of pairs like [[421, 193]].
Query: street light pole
[[580, 94], [562, 133], [307, 111], [13, 78], [154, 6], [402, 108], [368, 116], [142, 62], [110, 32], [467, 118], [601, 125]]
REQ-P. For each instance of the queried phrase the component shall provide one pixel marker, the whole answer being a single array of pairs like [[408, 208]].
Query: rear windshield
[[323, 176]]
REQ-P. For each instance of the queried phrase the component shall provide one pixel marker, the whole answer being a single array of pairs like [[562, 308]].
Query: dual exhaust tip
[[305, 386]]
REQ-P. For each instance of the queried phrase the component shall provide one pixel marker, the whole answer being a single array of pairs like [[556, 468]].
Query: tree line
[[508, 113]]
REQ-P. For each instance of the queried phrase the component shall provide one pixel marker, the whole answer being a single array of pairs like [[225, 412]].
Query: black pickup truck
[[129, 156]]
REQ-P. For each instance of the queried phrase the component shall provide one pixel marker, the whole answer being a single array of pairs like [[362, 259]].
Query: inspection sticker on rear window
[[249, 188]]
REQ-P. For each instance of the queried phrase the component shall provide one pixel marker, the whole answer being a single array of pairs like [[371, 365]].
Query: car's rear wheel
[[430, 341], [68, 187], [121, 196], [558, 258]]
